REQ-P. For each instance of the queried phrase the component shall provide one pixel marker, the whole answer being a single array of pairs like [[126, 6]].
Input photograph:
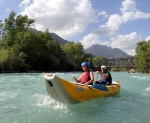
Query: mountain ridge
[[107, 52], [54, 36]]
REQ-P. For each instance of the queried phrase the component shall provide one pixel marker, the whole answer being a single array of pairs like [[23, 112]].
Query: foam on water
[[46, 101], [147, 89], [5, 95], [60, 106], [43, 100], [145, 77]]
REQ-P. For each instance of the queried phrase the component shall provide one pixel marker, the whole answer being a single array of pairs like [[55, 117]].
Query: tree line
[[22, 50]]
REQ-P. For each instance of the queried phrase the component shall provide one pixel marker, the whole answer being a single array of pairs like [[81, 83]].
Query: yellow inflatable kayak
[[64, 91]]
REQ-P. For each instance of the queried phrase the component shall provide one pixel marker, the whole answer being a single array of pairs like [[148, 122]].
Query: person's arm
[[98, 72], [77, 80], [91, 80], [105, 75]]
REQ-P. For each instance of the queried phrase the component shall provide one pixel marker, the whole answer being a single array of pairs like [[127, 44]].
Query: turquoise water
[[24, 99]]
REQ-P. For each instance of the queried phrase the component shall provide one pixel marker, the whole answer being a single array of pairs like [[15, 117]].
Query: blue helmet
[[85, 64]]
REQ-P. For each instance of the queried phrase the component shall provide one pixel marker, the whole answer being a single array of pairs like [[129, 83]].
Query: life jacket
[[109, 79], [104, 80], [85, 77]]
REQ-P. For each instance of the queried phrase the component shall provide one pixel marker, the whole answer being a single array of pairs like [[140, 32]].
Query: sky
[[114, 23]]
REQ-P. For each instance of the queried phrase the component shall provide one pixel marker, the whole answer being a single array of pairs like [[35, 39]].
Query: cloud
[[1, 0], [131, 52], [25, 3], [127, 43], [67, 18], [147, 38], [128, 6], [89, 40], [104, 14], [92, 39], [110, 27]]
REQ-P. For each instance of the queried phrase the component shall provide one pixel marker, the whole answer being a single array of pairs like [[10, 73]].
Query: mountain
[[58, 38], [54, 36], [107, 52]]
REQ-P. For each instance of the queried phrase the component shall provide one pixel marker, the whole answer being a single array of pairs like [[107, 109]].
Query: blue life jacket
[[104, 80]]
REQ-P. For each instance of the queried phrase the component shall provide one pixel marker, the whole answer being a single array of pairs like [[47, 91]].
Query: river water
[[24, 99]]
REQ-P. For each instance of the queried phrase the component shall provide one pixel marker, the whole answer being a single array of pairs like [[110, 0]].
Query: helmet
[[85, 64], [103, 66]]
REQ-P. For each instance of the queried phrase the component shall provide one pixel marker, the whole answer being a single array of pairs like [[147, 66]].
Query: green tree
[[14, 30], [75, 54], [3, 59], [12, 26], [48, 51], [99, 58], [142, 59], [9, 62]]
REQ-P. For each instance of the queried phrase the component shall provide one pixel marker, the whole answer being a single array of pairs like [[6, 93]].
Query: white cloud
[[128, 16], [64, 17], [127, 43], [1, 0], [128, 6], [110, 27], [131, 52], [104, 14], [92, 39], [89, 40], [147, 38], [24, 3]]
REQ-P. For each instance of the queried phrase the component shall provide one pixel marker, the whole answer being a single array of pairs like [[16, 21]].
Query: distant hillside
[[107, 52], [55, 36], [58, 38]]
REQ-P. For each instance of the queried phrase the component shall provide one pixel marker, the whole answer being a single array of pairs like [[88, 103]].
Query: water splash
[[47, 102], [43, 100], [141, 77], [60, 106], [147, 89]]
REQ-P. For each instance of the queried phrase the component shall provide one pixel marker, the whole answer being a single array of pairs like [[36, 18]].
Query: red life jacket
[[85, 77]]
